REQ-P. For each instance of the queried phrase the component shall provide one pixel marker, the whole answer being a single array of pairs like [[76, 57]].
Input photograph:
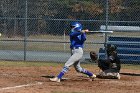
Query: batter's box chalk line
[[20, 86]]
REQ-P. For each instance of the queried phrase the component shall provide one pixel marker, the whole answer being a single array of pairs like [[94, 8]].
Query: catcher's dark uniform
[[111, 66], [112, 62]]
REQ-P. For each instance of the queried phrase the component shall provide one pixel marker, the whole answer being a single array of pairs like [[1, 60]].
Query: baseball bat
[[100, 31]]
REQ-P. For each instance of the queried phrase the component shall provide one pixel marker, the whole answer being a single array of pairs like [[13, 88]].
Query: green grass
[[27, 64], [53, 46], [131, 66], [55, 64], [45, 46]]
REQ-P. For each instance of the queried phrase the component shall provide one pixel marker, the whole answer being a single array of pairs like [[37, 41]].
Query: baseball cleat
[[118, 76], [55, 79], [92, 77]]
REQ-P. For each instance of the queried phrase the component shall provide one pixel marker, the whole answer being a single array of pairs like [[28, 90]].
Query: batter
[[77, 39]]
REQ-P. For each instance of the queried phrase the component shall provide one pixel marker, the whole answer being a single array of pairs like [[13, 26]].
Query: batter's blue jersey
[[77, 39]]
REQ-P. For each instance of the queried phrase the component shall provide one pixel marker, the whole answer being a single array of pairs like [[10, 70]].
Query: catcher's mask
[[111, 48]]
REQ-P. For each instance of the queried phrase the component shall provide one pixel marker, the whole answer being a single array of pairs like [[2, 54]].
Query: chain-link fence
[[38, 30]]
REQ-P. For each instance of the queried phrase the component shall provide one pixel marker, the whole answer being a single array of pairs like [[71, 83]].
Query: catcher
[[111, 66]]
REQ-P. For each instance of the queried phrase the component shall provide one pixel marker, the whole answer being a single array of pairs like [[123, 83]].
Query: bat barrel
[[100, 31]]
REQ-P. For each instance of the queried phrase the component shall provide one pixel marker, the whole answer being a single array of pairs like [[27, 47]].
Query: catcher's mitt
[[93, 56]]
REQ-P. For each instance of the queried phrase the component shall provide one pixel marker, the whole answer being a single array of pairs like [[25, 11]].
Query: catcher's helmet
[[76, 26], [111, 47]]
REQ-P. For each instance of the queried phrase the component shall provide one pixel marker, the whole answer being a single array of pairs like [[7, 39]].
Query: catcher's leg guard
[[108, 74]]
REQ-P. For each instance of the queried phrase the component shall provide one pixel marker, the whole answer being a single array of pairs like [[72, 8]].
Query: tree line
[[41, 13]]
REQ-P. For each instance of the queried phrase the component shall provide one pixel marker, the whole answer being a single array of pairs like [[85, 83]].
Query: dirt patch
[[17, 79]]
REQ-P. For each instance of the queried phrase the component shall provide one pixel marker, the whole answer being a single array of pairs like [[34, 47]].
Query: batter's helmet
[[76, 25]]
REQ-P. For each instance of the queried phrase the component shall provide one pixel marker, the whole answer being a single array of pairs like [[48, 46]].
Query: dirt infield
[[33, 79]]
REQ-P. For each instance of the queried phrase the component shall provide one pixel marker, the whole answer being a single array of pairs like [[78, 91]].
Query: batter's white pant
[[77, 54]]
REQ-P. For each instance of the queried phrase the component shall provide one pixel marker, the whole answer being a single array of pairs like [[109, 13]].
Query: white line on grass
[[20, 86]]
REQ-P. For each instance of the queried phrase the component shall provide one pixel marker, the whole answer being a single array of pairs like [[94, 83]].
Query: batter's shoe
[[92, 77], [55, 79]]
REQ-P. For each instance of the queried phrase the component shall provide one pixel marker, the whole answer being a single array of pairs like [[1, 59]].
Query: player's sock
[[64, 70], [61, 74], [87, 72]]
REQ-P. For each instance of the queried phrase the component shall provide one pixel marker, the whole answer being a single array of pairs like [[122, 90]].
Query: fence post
[[64, 41], [26, 29], [106, 25]]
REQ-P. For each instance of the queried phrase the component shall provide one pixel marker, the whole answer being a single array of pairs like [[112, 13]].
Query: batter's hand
[[84, 31]]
